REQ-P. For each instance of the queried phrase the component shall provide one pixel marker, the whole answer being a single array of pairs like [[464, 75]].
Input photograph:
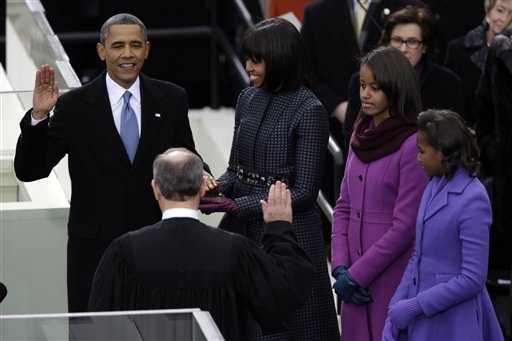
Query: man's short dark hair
[[122, 19]]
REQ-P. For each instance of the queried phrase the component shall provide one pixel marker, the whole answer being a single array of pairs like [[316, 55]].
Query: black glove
[[348, 289]]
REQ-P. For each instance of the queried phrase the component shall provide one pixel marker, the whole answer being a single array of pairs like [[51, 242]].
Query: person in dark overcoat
[[86, 126], [280, 133], [493, 124], [466, 55]]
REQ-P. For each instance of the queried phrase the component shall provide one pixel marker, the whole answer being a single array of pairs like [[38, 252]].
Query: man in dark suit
[[180, 262], [110, 188]]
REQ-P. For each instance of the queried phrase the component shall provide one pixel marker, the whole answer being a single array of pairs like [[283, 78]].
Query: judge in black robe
[[180, 262]]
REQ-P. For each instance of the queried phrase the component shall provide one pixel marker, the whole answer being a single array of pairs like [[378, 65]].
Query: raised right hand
[[46, 92], [279, 204]]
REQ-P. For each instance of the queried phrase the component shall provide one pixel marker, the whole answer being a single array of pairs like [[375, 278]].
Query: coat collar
[[259, 104], [456, 185]]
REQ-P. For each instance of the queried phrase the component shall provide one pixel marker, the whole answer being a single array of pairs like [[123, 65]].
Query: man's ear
[[101, 51], [156, 190], [202, 191], [148, 46]]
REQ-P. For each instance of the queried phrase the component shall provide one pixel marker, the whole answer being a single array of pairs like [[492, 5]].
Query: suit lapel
[[99, 111], [368, 24], [341, 10], [151, 117]]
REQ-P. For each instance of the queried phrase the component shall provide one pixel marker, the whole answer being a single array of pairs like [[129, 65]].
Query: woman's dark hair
[[445, 130], [397, 79], [279, 44], [420, 16]]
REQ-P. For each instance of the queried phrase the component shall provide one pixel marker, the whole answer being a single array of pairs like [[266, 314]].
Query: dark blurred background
[[203, 69]]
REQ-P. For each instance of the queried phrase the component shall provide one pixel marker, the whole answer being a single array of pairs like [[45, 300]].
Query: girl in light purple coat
[[373, 221], [442, 295]]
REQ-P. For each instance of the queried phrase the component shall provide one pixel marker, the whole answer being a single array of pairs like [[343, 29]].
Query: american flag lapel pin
[[157, 114]]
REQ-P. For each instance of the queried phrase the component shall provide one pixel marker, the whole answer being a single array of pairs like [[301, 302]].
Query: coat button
[[358, 214], [360, 177], [359, 252]]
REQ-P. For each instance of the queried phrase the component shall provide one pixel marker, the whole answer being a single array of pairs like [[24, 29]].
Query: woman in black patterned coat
[[281, 133]]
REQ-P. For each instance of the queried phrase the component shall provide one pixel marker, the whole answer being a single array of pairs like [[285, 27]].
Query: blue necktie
[[129, 127]]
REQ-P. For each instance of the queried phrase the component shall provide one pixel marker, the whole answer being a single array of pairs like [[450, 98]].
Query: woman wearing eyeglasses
[[412, 30]]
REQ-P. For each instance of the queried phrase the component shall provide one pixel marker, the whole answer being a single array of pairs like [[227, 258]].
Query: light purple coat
[[448, 269], [373, 231]]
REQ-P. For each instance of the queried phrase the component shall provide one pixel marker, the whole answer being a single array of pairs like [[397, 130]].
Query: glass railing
[[176, 324]]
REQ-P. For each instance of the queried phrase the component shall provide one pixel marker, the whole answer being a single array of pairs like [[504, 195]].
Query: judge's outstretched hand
[[46, 92], [278, 205]]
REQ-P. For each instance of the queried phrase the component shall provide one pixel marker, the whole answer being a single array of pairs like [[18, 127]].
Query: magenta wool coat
[[448, 269], [373, 231]]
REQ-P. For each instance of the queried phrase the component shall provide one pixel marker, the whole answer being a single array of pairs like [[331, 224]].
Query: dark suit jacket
[[110, 196], [182, 263]]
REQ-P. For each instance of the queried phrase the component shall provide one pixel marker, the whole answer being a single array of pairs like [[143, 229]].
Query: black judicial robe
[[183, 263]]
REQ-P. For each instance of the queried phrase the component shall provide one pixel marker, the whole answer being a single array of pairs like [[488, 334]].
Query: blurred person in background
[[466, 55]]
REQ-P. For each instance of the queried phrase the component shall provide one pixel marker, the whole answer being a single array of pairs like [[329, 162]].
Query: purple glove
[[403, 311], [390, 332], [216, 204]]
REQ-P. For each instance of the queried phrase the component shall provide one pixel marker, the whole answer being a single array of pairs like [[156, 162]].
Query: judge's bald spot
[[178, 173]]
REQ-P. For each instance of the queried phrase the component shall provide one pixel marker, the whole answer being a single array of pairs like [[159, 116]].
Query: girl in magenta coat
[[442, 294], [373, 222]]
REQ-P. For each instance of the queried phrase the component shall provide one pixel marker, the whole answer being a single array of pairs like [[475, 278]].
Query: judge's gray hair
[[178, 173]]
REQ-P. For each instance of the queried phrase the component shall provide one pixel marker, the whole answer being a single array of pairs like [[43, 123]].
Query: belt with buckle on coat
[[260, 179]]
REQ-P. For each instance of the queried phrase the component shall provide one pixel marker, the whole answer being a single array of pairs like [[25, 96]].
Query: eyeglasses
[[410, 43]]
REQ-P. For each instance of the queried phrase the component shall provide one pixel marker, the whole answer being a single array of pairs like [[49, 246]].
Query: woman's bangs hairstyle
[[488, 5], [279, 44], [397, 79], [445, 130]]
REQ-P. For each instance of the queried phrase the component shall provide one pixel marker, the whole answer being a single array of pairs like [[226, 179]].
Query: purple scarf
[[370, 144]]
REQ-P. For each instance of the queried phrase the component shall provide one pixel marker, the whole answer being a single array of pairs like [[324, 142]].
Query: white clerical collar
[[180, 213]]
